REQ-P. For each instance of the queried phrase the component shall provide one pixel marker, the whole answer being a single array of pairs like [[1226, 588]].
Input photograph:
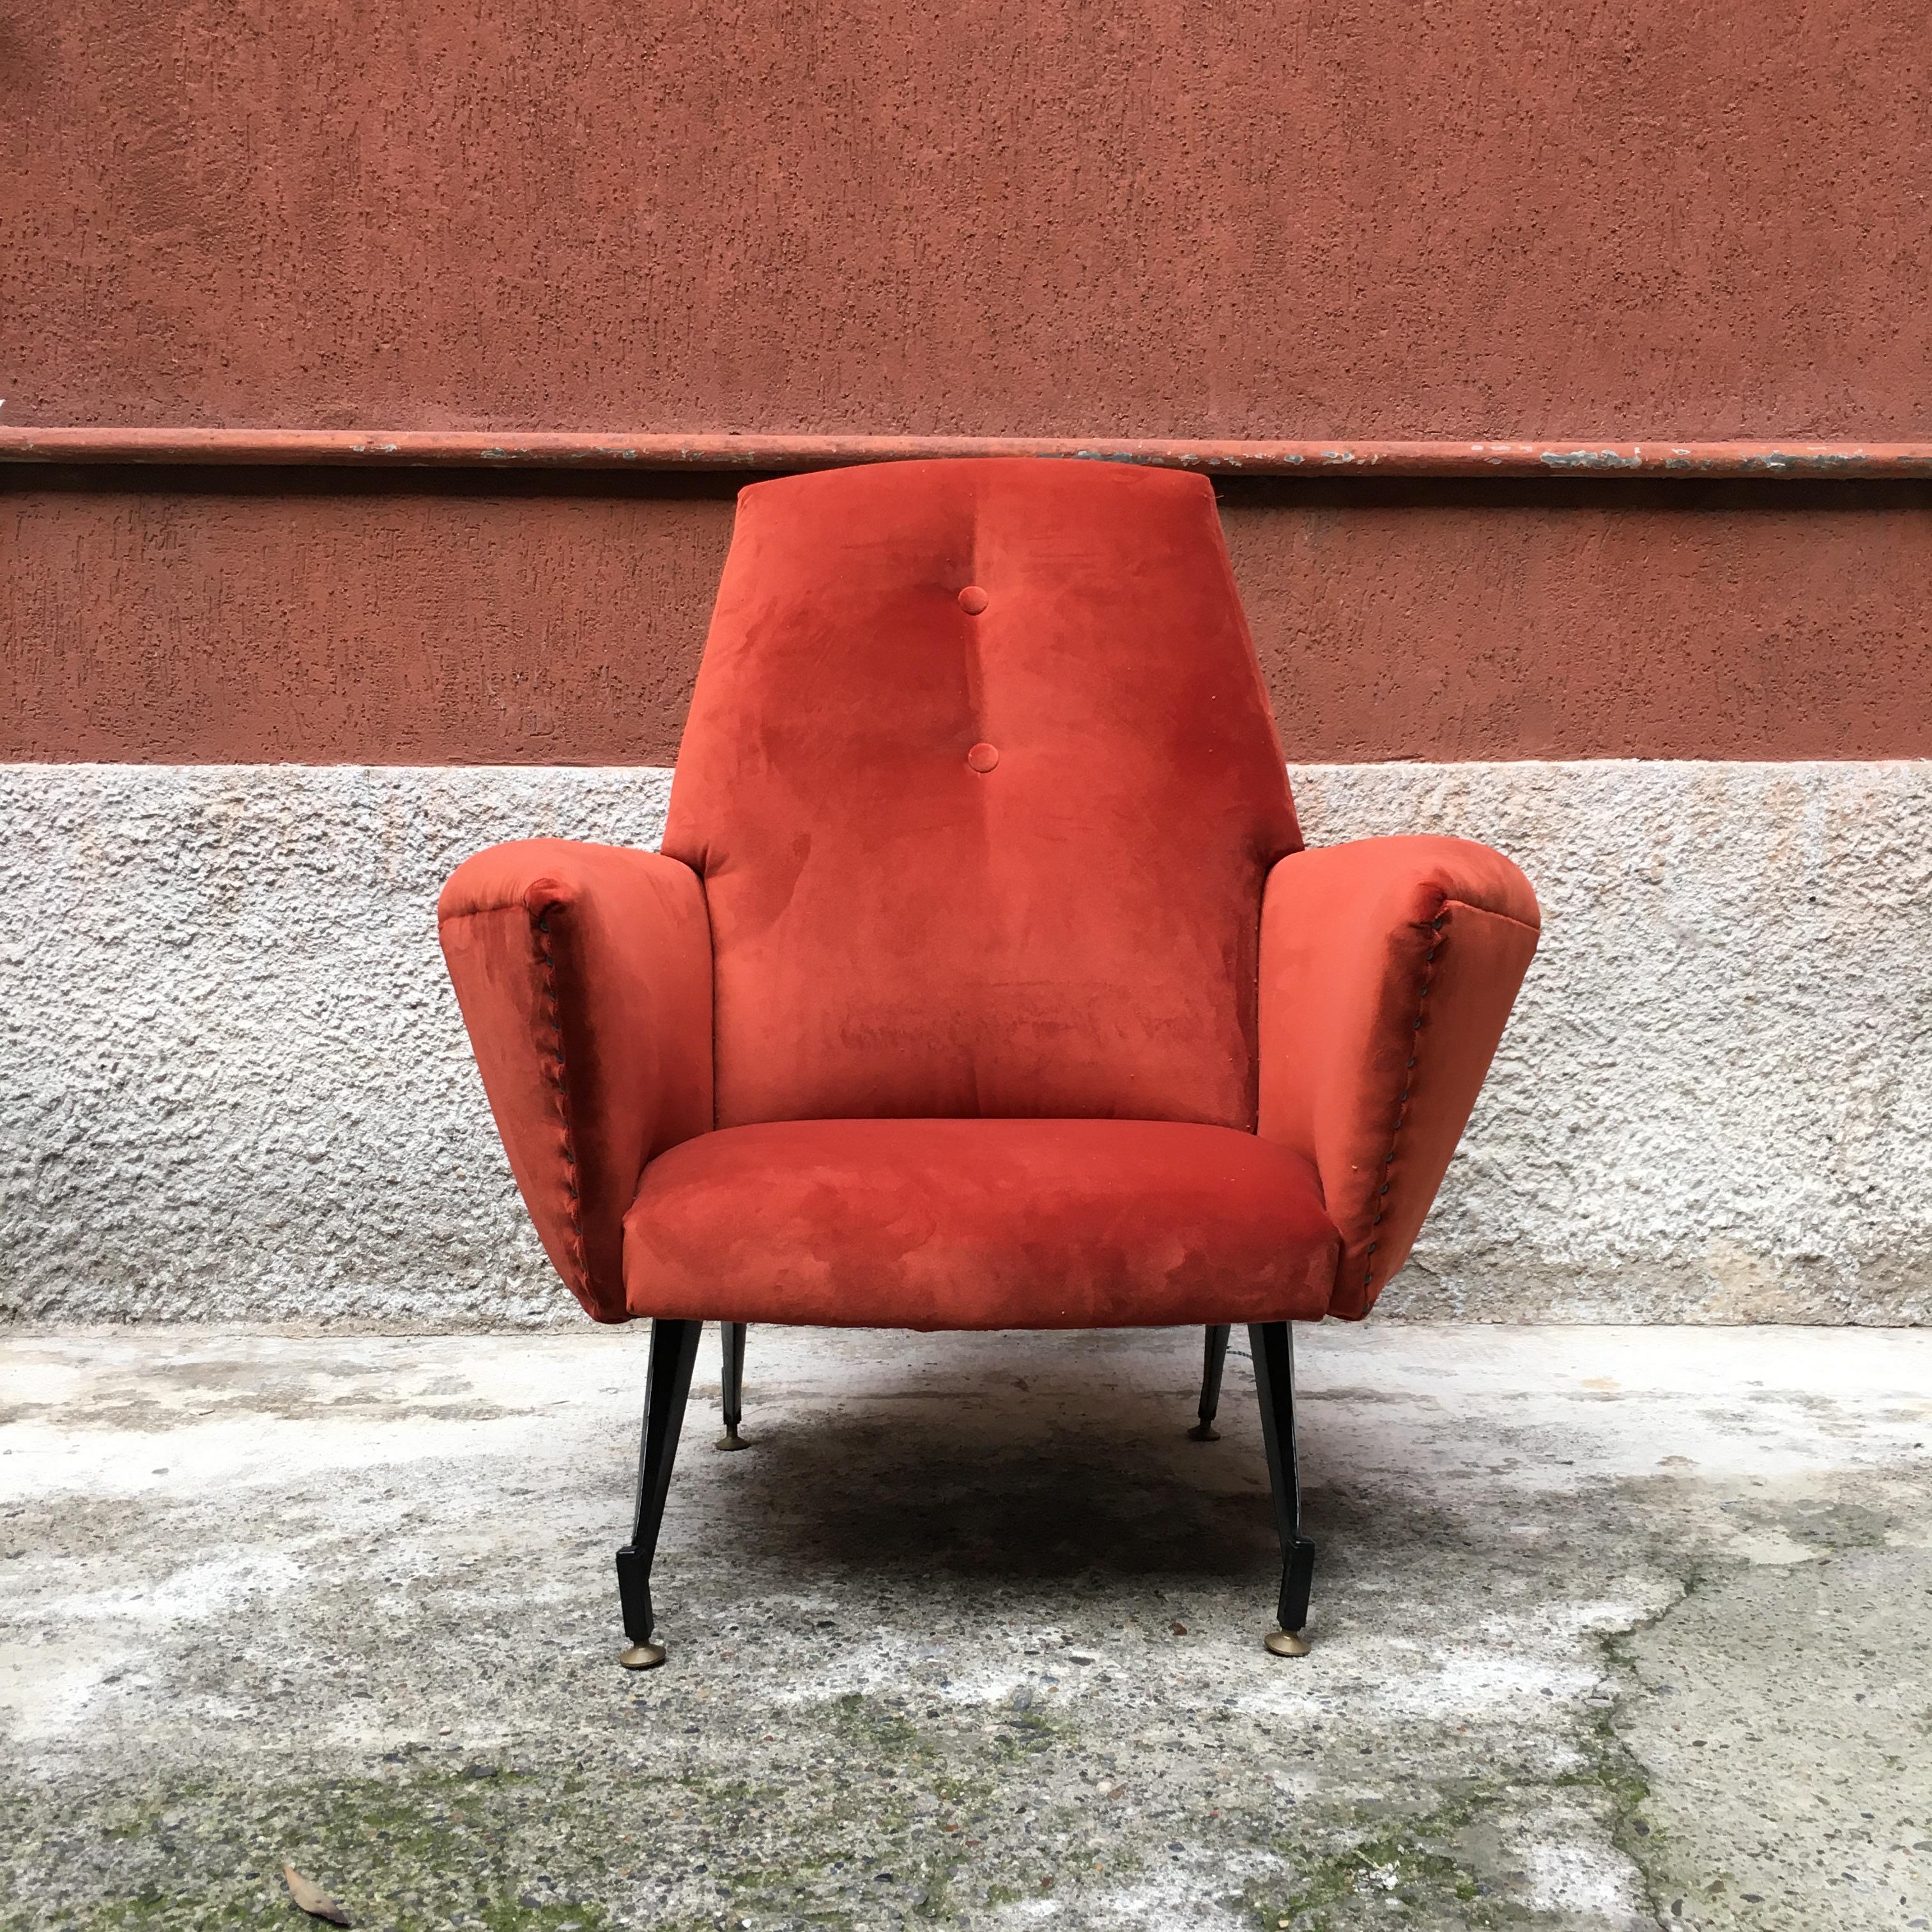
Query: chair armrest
[[584, 975], [1388, 969]]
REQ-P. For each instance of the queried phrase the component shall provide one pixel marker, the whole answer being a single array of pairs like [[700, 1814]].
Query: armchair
[[983, 981]]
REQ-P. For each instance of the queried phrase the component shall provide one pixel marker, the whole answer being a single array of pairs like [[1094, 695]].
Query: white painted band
[[234, 1085]]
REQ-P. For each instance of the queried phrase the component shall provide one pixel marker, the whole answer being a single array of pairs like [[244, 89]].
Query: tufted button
[[983, 758], [972, 600]]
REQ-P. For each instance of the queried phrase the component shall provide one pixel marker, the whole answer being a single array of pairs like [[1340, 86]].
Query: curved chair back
[[983, 785]]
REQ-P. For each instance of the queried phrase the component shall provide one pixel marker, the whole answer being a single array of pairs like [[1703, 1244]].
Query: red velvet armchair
[[983, 981]]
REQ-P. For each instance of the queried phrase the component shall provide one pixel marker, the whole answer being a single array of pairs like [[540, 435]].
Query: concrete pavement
[[1614, 1628]]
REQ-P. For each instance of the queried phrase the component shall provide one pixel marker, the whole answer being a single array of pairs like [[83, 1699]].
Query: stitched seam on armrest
[[1409, 1084], [1490, 912], [554, 1071], [480, 911]]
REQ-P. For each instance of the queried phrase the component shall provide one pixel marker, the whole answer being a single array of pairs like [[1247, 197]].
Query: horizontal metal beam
[[485, 449]]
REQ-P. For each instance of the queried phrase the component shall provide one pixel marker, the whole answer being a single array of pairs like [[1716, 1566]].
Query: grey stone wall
[[234, 1086]]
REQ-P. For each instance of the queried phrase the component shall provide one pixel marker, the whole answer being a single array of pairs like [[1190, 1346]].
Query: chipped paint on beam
[[593, 450]]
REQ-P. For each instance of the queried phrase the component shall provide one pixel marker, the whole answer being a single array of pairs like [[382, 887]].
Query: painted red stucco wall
[[1499, 219]]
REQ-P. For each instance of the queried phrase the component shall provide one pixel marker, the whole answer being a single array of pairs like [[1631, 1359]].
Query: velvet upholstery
[[983, 982], [980, 1224], [584, 975], [1069, 931], [1388, 967]]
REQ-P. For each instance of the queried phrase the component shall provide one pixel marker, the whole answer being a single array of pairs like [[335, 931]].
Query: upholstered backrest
[[982, 783]]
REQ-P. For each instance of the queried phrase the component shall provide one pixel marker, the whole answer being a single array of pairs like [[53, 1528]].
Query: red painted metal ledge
[[602, 450]]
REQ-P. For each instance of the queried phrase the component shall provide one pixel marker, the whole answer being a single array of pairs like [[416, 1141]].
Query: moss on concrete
[[1415, 1862], [416, 1848], [895, 1815]]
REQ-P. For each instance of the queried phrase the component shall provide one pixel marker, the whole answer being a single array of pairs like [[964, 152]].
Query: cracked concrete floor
[[1613, 1628]]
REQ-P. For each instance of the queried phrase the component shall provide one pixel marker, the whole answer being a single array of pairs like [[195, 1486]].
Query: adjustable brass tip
[[642, 1656], [731, 1439], [1286, 1643], [1203, 1432]]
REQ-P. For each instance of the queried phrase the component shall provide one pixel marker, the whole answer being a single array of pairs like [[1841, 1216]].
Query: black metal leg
[[1213, 1357], [668, 1383], [731, 1336], [1274, 1347]]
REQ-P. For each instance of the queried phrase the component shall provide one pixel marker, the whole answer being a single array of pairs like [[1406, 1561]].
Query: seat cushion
[[979, 1224]]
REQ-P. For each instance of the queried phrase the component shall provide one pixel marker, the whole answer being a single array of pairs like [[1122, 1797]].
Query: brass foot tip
[[642, 1656], [1286, 1643], [731, 1439], [1203, 1432]]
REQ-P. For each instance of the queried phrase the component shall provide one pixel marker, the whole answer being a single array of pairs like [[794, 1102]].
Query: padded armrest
[[584, 975], [1388, 969]]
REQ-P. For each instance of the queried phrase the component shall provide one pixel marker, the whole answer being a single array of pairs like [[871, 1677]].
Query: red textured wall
[[204, 617], [1276, 218], [1130, 217]]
